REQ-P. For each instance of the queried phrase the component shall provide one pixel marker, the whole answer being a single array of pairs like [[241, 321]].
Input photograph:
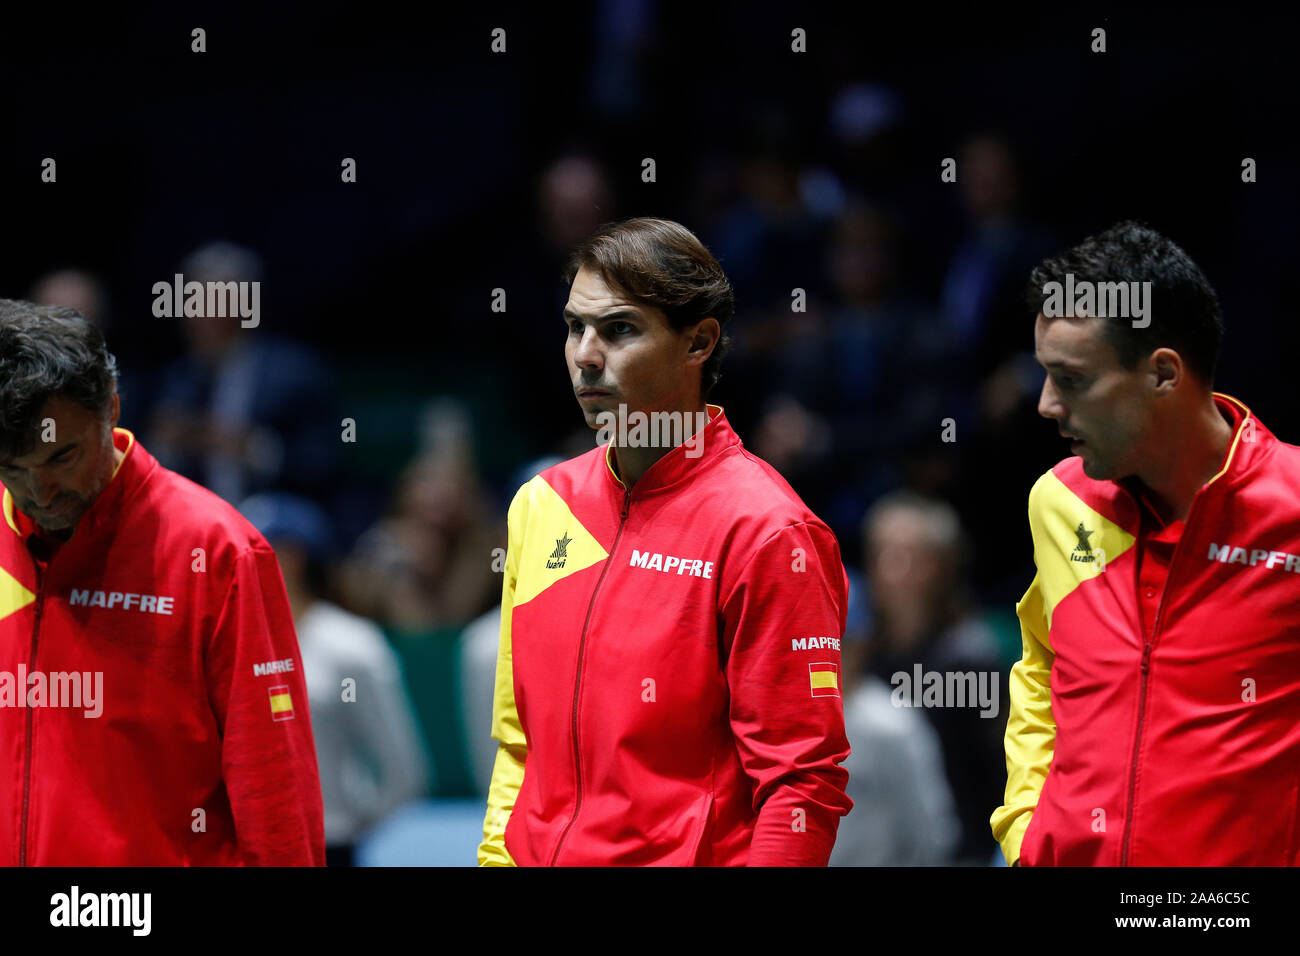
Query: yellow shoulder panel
[[545, 544], [1030, 739], [1072, 542], [13, 596], [557, 544]]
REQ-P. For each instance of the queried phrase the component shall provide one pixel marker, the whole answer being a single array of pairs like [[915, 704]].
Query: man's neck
[[1197, 455], [632, 462], [61, 535]]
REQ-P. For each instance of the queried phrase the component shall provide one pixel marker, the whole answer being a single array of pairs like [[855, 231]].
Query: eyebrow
[[1060, 364], [620, 314], [53, 455]]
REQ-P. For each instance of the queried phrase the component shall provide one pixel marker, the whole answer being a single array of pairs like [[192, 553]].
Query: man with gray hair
[[151, 693], [926, 628]]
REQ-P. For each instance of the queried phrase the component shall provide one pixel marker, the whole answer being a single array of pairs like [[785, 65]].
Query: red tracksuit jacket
[[1180, 747], [668, 676], [201, 750]]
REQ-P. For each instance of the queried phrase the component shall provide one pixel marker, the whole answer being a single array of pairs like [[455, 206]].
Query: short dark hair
[[661, 263], [1184, 312], [46, 351]]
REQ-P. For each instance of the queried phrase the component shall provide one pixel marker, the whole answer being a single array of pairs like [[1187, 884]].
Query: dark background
[[160, 149]]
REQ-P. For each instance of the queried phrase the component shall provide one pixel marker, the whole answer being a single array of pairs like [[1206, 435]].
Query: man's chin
[[59, 525], [596, 410], [1098, 470]]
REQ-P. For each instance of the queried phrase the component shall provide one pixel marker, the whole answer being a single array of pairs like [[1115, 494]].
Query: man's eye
[[615, 326]]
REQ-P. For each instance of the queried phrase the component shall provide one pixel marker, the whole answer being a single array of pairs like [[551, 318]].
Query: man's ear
[[704, 339], [116, 411], [1168, 368]]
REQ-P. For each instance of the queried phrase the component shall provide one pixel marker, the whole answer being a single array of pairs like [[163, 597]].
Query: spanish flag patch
[[825, 679], [281, 702]]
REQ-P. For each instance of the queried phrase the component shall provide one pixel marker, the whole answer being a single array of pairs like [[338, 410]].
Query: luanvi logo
[[1083, 550], [560, 554]]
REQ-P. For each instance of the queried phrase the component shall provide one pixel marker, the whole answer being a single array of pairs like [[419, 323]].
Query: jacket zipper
[[27, 768], [577, 683], [1147, 647]]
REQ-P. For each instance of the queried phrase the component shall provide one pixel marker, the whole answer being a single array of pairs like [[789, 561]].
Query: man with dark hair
[[1155, 714], [667, 685], [151, 694]]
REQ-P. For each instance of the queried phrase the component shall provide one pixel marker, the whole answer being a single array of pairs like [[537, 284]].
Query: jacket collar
[[1251, 443], [681, 462], [134, 468]]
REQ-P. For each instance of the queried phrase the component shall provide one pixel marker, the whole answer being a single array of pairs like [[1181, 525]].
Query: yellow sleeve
[[1031, 729], [508, 771]]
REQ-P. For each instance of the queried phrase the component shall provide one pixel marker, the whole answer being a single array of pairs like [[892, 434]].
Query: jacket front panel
[[620, 662], [1181, 745], [161, 633]]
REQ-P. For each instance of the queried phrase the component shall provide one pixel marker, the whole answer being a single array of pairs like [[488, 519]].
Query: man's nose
[[44, 491], [1049, 403], [588, 353]]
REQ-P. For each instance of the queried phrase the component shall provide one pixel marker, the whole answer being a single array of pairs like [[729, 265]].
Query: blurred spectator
[[428, 564], [983, 290], [922, 613], [82, 290], [245, 411], [567, 198], [479, 643], [367, 743], [770, 233], [573, 200], [865, 124], [75, 289], [903, 812], [998, 381], [859, 383]]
